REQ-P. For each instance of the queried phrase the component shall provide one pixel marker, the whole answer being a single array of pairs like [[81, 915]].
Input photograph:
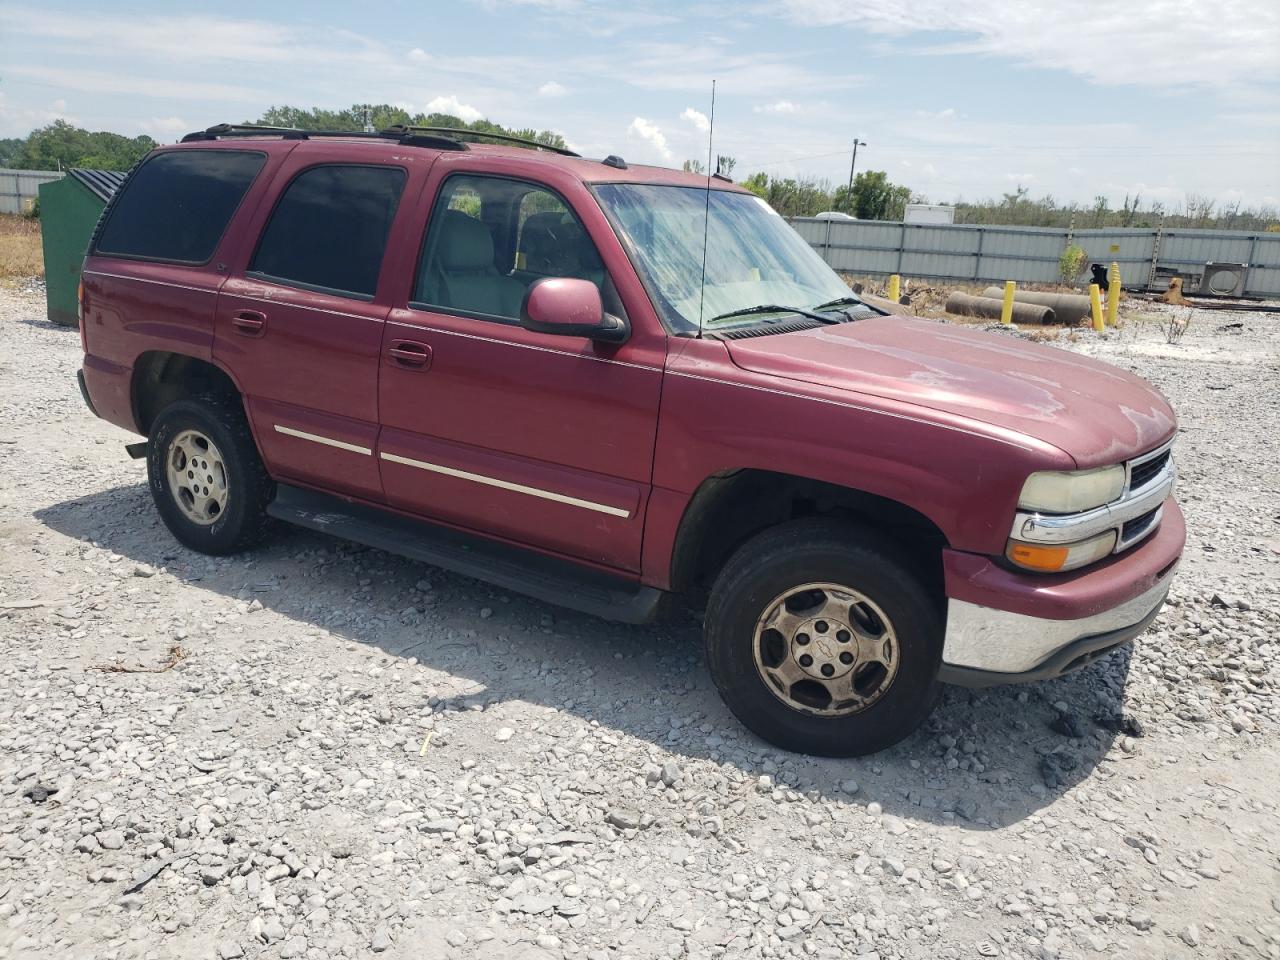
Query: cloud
[[642, 128], [99, 82], [1019, 177], [697, 118], [1186, 44], [418, 55], [552, 89], [167, 129], [452, 106], [778, 106], [948, 114]]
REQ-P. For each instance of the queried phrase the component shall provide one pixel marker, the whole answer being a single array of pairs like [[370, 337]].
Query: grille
[[1142, 473], [1138, 526]]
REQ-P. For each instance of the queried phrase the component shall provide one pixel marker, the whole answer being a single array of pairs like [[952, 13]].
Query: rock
[[1054, 767], [144, 570], [1067, 724], [381, 940], [849, 786], [111, 839], [230, 950], [670, 773], [293, 947], [504, 734], [1190, 935], [623, 819]]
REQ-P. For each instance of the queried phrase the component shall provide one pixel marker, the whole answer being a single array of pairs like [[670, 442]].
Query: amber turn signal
[[1055, 558], [1035, 556]]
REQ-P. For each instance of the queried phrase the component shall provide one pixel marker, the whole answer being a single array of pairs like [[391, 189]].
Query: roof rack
[[462, 132], [293, 133]]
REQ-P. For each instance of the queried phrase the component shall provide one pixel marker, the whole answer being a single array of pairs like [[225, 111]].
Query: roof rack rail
[[451, 132], [293, 133]]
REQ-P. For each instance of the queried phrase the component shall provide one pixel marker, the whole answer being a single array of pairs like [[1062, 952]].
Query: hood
[[1096, 412]]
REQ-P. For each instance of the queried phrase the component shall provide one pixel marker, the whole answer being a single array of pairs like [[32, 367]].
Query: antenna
[[706, 216]]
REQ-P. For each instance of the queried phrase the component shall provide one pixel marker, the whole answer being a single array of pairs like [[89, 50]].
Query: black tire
[[244, 522], [823, 551]]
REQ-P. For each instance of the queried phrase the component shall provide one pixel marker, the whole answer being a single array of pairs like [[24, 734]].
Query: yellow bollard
[[1095, 306], [1113, 294], [895, 288], [1006, 311]]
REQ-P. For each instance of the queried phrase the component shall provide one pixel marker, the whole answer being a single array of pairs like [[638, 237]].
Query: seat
[[555, 245], [466, 278]]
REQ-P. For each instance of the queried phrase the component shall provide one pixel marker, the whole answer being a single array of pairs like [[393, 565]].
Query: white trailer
[[929, 213]]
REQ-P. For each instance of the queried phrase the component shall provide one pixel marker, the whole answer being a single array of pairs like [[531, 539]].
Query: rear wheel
[[821, 640], [206, 477]]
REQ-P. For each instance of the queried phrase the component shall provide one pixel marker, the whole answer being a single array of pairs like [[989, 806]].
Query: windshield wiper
[[773, 308], [840, 302]]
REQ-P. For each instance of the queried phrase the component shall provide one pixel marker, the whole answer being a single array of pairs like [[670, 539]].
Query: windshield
[[753, 255]]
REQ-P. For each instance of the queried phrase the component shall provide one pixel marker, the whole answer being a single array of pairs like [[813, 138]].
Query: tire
[[240, 521], [891, 690]]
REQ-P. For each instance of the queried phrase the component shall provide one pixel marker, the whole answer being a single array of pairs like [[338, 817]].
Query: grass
[[20, 254]]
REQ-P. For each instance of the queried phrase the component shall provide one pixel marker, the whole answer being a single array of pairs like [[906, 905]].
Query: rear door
[[299, 322], [540, 439]]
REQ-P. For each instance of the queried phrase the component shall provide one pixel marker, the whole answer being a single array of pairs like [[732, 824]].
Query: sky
[[1161, 98]]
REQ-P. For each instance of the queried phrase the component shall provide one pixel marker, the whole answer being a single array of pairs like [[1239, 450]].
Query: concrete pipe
[[965, 305], [1067, 307]]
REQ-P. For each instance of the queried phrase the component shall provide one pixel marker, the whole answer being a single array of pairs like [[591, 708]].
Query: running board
[[522, 571]]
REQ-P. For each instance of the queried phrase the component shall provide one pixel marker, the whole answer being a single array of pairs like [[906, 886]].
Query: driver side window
[[489, 239]]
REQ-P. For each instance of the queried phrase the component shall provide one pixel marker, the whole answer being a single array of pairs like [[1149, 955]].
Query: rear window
[[176, 206], [329, 230]]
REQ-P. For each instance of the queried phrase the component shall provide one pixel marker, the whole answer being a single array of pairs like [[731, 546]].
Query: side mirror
[[569, 307]]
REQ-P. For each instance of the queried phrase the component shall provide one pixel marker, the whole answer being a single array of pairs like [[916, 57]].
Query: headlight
[[1063, 491], [1058, 557]]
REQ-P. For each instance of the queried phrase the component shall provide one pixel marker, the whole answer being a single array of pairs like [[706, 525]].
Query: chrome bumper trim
[[983, 638]]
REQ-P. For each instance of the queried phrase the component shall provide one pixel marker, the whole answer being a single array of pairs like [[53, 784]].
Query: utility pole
[[853, 163]]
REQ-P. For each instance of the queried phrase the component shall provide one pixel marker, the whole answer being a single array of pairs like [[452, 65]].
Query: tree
[[61, 145], [383, 115], [725, 165], [693, 166], [875, 197]]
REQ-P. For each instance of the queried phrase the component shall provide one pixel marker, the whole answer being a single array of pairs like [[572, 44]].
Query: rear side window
[[177, 205], [329, 230]]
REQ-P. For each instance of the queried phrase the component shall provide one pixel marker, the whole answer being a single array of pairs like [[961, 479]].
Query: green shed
[[69, 210]]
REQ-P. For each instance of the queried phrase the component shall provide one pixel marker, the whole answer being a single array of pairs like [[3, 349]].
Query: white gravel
[[360, 755]]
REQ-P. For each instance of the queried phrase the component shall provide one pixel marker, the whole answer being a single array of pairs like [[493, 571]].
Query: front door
[[300, 324], [543, 440]]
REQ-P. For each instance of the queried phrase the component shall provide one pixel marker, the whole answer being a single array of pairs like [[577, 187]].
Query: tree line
[[873, 195]]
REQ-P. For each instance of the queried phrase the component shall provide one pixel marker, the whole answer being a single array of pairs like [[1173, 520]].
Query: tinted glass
[[489, 239], [177, 205], [329, 229]]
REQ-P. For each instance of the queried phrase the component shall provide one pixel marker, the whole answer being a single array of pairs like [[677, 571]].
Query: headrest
[[465, 243]]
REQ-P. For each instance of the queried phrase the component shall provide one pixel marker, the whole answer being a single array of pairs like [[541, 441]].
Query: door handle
[[250, 323], [409, 353]]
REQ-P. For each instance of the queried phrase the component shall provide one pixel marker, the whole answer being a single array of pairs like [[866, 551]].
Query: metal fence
[[969, 252], [18, 188]]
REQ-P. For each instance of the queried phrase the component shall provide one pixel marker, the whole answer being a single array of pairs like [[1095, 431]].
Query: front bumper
[[1007, 627]]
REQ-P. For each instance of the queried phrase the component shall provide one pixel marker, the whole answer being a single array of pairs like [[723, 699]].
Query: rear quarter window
[[329, 229], [176, 206]]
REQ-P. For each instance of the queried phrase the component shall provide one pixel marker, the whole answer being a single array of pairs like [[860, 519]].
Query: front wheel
[[822, 641], [207, 480]]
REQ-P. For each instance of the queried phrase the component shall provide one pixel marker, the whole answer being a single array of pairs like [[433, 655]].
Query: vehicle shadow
[[985, 759]]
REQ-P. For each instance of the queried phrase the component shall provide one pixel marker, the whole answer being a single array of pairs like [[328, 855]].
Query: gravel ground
[[334, 752]]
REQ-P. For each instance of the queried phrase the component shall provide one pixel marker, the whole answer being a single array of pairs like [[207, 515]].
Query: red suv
[[601, 384]]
